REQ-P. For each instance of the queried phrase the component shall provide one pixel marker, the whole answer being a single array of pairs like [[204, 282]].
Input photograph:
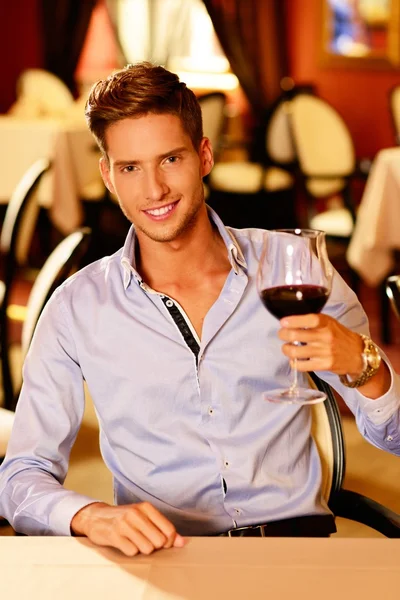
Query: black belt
[[308, 526]]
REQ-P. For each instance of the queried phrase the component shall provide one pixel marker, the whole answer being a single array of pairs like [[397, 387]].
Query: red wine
[[286, 300]]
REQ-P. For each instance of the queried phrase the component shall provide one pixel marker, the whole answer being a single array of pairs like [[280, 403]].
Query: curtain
[[20, 46], [65, 24], [251, 33], [152, 30]]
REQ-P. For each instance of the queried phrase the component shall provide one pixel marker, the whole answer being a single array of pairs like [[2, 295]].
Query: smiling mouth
[[164, 210]]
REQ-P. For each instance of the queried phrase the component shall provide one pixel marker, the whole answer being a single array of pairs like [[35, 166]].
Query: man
[[176, 349]]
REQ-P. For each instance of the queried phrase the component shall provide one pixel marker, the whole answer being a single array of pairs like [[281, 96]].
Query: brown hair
[[138, 90]]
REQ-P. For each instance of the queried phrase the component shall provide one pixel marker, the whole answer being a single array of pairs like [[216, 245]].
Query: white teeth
[[157, 212]]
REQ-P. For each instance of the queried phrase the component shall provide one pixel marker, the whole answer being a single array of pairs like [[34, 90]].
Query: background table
[[377, 229], [75, 164], [206, 569]]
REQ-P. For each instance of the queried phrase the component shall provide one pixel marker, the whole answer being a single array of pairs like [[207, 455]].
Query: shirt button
[[389, 438], [238, 511], [169, 303], [210, 411], [226, 464]]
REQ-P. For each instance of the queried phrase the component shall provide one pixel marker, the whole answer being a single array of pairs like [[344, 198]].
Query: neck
[[198, 251]]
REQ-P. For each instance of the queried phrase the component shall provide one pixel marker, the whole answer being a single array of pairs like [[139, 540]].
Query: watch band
[[369, 370]]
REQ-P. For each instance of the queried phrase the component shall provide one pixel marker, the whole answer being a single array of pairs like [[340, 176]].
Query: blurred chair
[[6, 424], [394, 104], [392, 288], [214, 118], [328, 436], [327, 169], [326, 162], [15, 242], [62, 262], [41, 94], [260, 192]]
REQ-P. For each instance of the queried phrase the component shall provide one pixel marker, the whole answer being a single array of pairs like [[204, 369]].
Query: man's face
[[156, 174]]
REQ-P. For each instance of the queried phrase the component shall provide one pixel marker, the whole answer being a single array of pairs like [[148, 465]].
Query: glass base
[[297, 396]]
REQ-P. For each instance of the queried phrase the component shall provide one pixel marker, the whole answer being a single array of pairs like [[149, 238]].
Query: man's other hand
[[132, 528]]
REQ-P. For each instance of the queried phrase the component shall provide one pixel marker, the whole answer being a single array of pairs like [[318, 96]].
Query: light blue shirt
[[173, 429]]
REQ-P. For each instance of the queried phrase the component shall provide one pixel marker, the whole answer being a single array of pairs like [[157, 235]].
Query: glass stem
[[293, 388]]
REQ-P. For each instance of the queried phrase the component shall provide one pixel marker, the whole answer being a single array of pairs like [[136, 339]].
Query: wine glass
[[294, 278]]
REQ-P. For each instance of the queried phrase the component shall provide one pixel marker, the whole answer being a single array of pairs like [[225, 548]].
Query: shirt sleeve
[[377, 420], [48, 416]]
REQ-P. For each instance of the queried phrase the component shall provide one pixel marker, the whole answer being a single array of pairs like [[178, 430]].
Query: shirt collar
[[128, 257]]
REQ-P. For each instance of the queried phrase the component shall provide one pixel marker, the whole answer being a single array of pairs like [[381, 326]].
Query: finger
[[305, 352], [313, 364], [300, 321], [137, 520], [125, 545], [161, 522], [141, 541], [180, 541], [305, 336]]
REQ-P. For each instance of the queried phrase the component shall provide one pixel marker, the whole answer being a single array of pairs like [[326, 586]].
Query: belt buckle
[[233, 532]]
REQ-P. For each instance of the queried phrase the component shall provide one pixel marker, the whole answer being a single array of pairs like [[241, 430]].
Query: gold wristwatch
[[371, 361]]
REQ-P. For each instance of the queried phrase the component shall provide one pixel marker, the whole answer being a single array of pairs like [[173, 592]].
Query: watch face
[[373, 357]]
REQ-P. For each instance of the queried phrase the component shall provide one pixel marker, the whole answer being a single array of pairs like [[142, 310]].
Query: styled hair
[[137, 90]]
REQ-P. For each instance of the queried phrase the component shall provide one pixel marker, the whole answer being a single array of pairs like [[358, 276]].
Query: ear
[[105, 174], [206, 156]]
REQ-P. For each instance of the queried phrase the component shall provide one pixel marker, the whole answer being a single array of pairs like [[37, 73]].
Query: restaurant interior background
[[273, 47]]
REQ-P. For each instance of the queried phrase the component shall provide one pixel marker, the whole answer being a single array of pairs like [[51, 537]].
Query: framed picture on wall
[[360, 33]]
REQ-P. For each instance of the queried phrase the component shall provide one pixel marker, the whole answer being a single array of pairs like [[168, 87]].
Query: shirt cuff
[[63, 513], [382, 409]]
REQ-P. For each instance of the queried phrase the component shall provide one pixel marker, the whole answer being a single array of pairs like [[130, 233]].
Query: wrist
[[371, 364], [82, 518]]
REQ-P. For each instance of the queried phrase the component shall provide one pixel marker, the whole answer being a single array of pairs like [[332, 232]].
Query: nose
[[155, 185]]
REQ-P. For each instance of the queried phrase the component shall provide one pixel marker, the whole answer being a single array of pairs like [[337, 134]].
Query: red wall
[[361, 96], [20, 45]]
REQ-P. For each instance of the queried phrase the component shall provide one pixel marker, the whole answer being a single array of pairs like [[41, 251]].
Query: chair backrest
[[394, 103], [278, 139], [20, 220], [42, 92], [214, 117], [328, 436], [323, 143], [62, 262], [393, 293], [279, 145]]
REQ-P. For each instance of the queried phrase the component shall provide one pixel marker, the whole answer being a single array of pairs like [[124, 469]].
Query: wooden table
[[207, 568]]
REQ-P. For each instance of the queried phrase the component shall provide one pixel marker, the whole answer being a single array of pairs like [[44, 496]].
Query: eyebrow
[[179, 150]]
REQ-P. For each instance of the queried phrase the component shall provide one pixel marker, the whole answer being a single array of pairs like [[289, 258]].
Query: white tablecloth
[[206, 569], [75, 171], [377, 230]]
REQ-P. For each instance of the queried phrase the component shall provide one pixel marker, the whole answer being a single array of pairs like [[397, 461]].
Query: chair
[[214, 118], [392, 289], [394, 104], [61, 263], [65, 259], [15, 239], [260, 192], [328, 435], [327, 168], [41, 94], [326, 163]]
